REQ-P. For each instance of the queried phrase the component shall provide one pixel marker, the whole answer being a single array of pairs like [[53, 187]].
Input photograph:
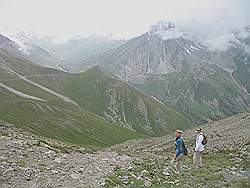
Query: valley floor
[[27, 160]]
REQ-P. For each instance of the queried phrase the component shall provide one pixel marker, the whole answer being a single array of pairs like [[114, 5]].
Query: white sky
[[121, 18]]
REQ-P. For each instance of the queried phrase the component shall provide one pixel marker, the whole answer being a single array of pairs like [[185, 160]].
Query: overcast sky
[[121, 18]]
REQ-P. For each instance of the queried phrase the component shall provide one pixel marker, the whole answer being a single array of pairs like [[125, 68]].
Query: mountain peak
[[99, 71], [162, 26], [166, 31]]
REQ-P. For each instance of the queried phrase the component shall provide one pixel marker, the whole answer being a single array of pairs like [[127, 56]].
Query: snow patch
[[187, 51], [60, 68], [157, 99], [128, 68]]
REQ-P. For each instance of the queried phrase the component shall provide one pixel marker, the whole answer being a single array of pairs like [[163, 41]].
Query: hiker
[[199, 148], [180, 150]]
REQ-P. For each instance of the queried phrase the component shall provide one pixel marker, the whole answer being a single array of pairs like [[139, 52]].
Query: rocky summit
[[28, 160]]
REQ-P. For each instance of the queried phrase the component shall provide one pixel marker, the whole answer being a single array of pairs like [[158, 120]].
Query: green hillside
[[94, 108], [52, 118], [205, 94], [242, 72], [120, 103], [55, 119]]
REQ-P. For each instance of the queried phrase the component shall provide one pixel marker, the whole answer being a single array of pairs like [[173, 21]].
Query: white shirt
[[198, 145]]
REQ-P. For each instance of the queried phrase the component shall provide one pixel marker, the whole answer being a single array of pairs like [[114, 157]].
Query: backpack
[[204, 141], [185, 151]]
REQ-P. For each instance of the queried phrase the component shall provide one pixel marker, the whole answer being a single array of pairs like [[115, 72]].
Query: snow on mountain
[[167, 31], [214, 38]]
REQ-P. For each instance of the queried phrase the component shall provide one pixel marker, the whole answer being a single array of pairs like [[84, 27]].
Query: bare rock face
[[203, 84], [168, 49]]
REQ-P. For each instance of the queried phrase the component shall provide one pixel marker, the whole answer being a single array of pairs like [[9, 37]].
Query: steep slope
[[205, 94], [201, 83], [151, 54], [80, 101], [167, 48], [73, 54], [242, 61], [28, 160], [225, 158], [118, 102], [35, 108], [26, 50]]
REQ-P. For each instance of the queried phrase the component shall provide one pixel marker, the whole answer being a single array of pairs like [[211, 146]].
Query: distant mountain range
[[71, 55], [94, 108], [202, 83], [29, 51], [99, 91]]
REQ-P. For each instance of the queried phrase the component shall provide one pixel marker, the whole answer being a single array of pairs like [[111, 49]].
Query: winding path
[[21, 94]]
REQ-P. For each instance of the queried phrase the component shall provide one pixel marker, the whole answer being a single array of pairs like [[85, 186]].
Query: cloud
[[121, 18], [218, 37]]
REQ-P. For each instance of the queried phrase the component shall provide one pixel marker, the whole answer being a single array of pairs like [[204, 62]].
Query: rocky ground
[[27, 160], [226, 159]]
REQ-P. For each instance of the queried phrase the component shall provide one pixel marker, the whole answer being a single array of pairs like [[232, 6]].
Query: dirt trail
[[64, 98], [21, 94]]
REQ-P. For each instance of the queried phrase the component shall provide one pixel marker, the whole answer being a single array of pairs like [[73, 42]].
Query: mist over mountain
[[165, 55], [70, 53], [218, 37]]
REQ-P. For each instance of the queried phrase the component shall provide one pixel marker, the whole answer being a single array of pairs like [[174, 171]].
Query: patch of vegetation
[[42, 165], [85, 124], [219, 170], [103, 93], [22, 163], [62, 121], [205, 93], [242, 73]]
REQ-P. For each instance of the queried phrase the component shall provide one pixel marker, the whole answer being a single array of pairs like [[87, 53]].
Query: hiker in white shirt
[[199, 148]]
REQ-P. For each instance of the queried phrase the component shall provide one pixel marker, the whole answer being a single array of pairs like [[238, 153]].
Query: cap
[[198, 129], [179, 131]]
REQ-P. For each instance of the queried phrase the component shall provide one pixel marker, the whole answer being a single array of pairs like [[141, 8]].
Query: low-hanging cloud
[[219, 38], [126, 18], [216, 25]]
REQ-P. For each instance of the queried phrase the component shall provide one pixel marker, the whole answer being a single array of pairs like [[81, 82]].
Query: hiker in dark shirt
[[180, 150]]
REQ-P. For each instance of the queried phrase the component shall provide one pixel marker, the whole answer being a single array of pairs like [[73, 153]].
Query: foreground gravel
[[27, 160]]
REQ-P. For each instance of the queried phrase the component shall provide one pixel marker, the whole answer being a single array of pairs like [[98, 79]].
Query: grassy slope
[[53, 118], [195, 97], [242, 73], [95, 89], [92, 90]]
